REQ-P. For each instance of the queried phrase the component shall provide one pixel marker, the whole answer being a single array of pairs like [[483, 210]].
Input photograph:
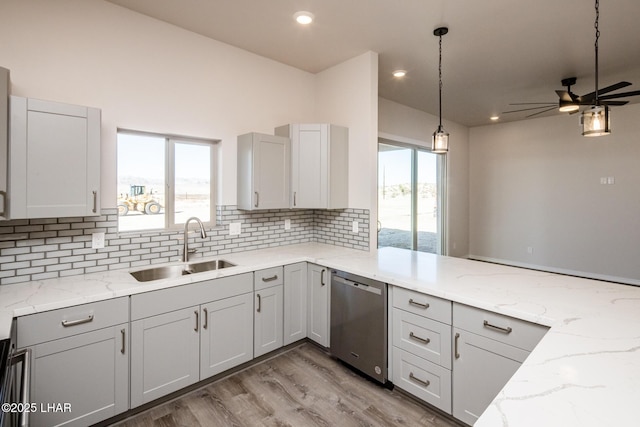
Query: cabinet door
[[226, 339], [481, 367], [89, 371], [318, 304], [268, 319], [309, 166], [46, 138], [271, 176], [295, 302], [165, 353]]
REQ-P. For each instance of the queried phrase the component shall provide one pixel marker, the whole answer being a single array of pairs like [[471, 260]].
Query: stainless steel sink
[[169, 271]]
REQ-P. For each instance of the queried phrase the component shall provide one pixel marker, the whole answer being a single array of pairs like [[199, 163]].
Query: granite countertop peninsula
[[584, 372]]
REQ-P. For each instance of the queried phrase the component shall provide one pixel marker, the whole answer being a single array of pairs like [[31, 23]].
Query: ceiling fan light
[[568, 107], [440, 141], [596, 121]]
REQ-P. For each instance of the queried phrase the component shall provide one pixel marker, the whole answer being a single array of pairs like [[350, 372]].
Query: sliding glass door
[[409, 190]]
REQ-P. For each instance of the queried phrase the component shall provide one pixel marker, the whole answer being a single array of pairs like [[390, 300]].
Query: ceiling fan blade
[[540, 112], [591, 96], [614, 102], [620, 95], [564, 96], [534, 103], [529, 109]]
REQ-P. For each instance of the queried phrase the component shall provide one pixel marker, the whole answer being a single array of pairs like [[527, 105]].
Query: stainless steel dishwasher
[[359, 323]]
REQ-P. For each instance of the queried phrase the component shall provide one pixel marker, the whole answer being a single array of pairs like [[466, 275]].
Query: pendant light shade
[[596, 121], [440, 139]]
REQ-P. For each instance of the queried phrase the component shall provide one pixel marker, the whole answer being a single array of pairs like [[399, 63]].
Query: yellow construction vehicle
[[138, 200]]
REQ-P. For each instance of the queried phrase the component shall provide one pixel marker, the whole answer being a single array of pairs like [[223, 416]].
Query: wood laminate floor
[[301, 387]]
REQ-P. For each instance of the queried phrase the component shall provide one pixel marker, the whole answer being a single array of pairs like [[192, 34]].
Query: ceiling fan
[[569, 102]]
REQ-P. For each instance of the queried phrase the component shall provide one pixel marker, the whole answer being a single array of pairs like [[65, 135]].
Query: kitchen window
[[410, 195], [163, 180]]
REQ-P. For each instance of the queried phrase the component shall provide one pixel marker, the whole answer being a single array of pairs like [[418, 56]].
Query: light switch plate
[[235, 228], [97, 240]]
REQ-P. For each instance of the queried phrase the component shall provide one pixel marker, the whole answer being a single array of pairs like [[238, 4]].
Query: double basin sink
[[172, 271]]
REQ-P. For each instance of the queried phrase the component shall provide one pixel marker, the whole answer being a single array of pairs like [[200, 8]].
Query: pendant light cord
[[596, 26], [440, 85]]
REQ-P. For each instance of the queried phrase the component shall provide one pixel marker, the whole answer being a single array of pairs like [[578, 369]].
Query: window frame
[[170, 141]]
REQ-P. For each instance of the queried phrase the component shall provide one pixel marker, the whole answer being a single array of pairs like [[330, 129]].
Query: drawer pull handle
[[67, 323], [122, 332], [259, 302], [270, 279], [417, 338], [418, 380], [195, 328], [498, 328], [418, 304], [455, 347], [206, 318]]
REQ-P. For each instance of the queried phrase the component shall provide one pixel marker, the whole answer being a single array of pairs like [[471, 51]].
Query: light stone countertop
[[584, 372]]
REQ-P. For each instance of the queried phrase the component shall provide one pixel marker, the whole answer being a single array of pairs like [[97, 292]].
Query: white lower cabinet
[[295, 302], [268, 329], [187, 333], [318, 287], [421, 354], [164, 354], [80, 358], [226, 339], [488, 349]]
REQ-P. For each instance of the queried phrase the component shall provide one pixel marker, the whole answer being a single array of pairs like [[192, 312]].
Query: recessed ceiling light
[[399, 73], [304, 18], [494, 118]]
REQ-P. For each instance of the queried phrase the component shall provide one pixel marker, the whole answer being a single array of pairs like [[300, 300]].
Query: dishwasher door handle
[[357, 285]]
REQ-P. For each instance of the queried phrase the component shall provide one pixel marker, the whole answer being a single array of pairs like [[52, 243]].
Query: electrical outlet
[[235, 228], [287, 224], [97, 240], [354, 226]]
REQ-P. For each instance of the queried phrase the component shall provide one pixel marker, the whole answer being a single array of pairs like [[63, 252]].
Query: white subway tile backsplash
[[58, 247]]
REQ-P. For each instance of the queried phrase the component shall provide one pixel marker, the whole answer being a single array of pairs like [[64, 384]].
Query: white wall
[[536, 184], [347, 95], [401, 123], [147, 75]]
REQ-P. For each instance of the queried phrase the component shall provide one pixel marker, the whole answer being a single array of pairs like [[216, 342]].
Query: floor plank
[[301, 387]]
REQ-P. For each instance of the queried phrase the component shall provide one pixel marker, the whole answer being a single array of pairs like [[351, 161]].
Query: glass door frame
[[441, 174]]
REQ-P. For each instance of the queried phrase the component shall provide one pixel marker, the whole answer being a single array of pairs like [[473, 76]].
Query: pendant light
[[596, 120], [440, 139]]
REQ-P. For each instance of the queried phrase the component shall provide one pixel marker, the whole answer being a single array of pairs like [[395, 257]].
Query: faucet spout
[[203, 234]]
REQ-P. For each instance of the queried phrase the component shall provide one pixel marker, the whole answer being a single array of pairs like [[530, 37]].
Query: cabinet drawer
[[55, 324], [505, 329], [423, 337], [423, 379], [267, 278], [423, 305]]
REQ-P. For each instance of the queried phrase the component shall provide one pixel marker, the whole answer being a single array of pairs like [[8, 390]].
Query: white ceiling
[[497, 51]]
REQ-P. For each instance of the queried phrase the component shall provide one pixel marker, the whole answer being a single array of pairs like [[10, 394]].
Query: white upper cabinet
[[54, 159], [263, 171], [319, 165]]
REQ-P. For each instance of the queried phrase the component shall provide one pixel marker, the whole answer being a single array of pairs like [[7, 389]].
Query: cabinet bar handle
[[506, 330], [417, 338], [95, 202], [257, 199], [418, 304], [67, 323], [197, 321], [455, 347], [322, 277], [294, 197], [270, 279], [418, 380], [122, 332], [259, 302], [206, 318]]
